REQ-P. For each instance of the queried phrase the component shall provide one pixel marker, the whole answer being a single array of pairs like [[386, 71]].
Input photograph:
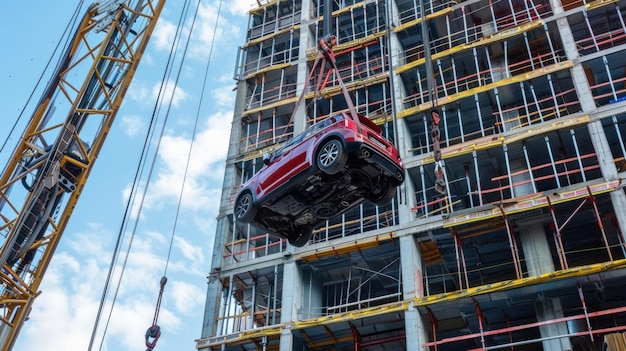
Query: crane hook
[[154, 331]]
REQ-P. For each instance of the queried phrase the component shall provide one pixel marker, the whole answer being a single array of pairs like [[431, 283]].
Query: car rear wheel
[[331, 157], [300, 236], [244, 208]]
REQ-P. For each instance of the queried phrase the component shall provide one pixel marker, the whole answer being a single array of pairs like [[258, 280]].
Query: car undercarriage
[[322, 196]]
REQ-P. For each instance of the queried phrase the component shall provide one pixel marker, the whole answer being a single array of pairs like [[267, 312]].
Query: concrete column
[[538, 261], [231, 176], [214, 289], [306, 41], [551, 309], [519, 165], [312, 290], [292, 298], [536, 248], [412, 287], [407, 200], [223, 226], [596, 132], [291, 301], [402, 134]]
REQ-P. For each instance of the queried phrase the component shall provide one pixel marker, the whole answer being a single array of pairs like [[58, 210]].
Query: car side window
[[288, 145], [307, 132], [311, 130], [323, 124]]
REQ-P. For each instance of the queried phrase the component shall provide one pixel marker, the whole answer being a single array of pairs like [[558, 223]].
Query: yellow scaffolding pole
[[534, 202], [488, 87], [487, 142], [495, 37]]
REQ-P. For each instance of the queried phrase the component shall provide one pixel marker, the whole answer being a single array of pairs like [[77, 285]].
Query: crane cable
[[134, 190], [154, 331]]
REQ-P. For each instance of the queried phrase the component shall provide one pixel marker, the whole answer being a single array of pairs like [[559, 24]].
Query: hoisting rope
[[135, 190], [154, 331]]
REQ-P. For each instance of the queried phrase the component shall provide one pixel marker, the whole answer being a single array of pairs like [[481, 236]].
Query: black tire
[[300, 236], [331, 157], [386, 194], [244, 209]]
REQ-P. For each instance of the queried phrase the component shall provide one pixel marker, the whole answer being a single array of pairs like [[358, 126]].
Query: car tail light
[[348, 123]]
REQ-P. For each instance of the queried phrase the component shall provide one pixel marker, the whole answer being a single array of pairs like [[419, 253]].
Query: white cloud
[[204, 30], [163, 34], [204, 27], [206, 224], [224, 96], [205, 167], [189, 250], [207, 15], [242, 7], [225, 78], [206, 33], [214, 139], [131, 319], [64, 314], [132, 125], [58, 318], [138, 92], [66, 310], [187, 297], [169, 92]]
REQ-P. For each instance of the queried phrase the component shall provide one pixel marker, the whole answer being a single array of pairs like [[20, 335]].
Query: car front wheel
[[244, 208], [386, 194], [331, 158], [300, 236]]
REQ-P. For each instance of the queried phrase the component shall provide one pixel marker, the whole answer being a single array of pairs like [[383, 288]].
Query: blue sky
[[63, 315]]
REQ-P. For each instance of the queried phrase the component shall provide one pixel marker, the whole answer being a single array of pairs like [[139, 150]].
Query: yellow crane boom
[[49, 167]]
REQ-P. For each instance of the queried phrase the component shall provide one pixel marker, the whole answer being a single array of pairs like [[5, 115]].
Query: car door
[[301, 155], [278, 171]]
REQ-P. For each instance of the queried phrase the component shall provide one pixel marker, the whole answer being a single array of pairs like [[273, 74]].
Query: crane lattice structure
[[49, 167]]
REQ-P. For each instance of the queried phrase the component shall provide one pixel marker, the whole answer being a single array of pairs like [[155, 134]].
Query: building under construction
[[519, 244]]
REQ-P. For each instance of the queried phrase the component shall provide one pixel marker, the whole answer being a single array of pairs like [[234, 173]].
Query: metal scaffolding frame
[[521, 155]]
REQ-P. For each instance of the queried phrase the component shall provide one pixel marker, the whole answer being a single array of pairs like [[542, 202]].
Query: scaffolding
[[524, 250]]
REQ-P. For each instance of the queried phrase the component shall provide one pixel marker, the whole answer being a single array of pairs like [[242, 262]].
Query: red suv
[[331, 167]]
